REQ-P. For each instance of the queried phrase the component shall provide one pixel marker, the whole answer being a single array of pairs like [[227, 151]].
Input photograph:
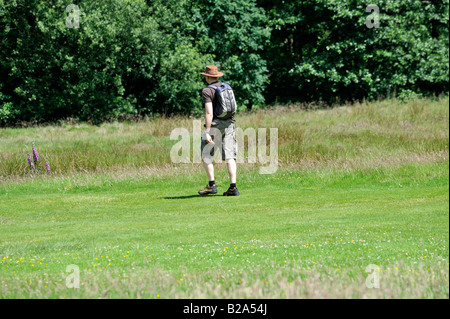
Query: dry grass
[[285, 283], [351, 136]]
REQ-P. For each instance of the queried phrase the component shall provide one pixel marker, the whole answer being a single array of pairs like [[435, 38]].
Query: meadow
[[361, 190]]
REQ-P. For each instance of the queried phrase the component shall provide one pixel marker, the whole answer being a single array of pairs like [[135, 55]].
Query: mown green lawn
[[300, 223]]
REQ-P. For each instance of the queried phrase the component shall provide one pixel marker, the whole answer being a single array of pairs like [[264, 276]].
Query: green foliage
[[331, 54], [144, 57], [6, 108], [236, 33], [115, 63]]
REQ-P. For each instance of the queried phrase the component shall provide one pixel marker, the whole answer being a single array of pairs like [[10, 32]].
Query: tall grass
[[359, 135]]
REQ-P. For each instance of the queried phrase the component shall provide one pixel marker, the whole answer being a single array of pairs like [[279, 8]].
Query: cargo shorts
[[223, 134]]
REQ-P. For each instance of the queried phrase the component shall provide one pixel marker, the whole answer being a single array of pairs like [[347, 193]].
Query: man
[[220, 130]]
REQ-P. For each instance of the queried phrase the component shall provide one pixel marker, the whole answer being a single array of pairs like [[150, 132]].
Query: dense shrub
[[144, 57], [328, 53], [123, 59], [236, 34]]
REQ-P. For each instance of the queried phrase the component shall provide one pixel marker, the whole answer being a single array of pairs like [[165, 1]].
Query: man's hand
[[208, 137]]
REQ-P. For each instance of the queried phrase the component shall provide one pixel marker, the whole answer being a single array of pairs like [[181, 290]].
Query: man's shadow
[[188, 196]]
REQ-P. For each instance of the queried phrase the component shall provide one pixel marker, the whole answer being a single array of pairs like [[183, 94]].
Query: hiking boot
[[208, 190], [231, 192]]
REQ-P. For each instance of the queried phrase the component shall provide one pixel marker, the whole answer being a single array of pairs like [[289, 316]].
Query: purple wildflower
[[29, 161], [35, 155], [47, 166]]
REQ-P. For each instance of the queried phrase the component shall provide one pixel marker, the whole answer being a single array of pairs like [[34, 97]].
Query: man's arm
[[208, 120], [208, 115]]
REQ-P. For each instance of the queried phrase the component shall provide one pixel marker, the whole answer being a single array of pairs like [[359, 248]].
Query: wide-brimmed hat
[[211, 70]]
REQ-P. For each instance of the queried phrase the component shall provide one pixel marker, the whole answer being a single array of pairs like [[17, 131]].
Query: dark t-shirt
[[208, 95]]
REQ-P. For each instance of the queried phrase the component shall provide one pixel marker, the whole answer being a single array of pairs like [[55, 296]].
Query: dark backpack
[[225, 104]]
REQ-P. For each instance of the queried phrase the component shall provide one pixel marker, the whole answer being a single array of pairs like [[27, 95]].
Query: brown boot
[[231, 192], [208, 190]]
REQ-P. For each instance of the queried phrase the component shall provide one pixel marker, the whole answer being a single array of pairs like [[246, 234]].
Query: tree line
[[105, 60]]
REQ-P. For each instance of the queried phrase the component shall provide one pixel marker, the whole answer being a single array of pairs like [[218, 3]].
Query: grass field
[[357, 185]]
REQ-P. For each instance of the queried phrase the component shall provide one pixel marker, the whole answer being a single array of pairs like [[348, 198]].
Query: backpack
[[225, 104]]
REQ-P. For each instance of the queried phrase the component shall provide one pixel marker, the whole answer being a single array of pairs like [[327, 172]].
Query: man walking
[[219, 134]]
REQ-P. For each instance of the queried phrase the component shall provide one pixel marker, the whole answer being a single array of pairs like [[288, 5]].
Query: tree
[[236, 34], [330, 54]]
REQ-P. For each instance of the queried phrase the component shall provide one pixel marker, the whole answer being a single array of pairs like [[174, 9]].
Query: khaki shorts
[[223, 133]]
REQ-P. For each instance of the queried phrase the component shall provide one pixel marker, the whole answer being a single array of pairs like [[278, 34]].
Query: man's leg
[[232, 191], [229, 155], [231, 164], [207, 154], [211, 187], [209, 168]]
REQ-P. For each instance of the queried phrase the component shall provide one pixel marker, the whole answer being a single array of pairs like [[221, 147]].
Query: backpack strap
[[213, 86]]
